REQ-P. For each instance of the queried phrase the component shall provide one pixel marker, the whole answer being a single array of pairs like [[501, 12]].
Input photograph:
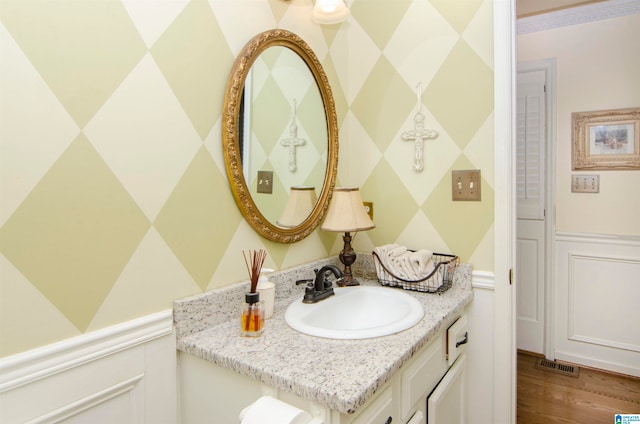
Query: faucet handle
[[308, 289]]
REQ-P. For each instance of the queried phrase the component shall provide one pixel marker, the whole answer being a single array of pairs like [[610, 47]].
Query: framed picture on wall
[[606, 139]]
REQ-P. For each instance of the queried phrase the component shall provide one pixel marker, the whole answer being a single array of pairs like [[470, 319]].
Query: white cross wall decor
[[418, 134]]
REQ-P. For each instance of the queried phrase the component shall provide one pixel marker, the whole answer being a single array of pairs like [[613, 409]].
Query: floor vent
[[546, 365]]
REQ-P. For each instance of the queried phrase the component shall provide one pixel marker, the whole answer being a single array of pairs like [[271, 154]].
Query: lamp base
[[347, 257]]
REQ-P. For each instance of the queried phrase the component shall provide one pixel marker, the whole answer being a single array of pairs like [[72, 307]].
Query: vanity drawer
[[422, 375], [457, 338]]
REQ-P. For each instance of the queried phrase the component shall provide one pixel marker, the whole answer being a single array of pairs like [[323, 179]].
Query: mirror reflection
[[284, 133], [280, 136]]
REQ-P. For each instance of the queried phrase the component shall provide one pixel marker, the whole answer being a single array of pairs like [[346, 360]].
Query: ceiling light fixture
[[329, 12]]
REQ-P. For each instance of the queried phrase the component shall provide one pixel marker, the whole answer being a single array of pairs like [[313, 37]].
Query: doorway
[[535, 144], [535, 95]]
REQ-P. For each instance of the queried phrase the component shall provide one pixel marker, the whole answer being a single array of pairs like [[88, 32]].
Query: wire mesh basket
[[438, 281]]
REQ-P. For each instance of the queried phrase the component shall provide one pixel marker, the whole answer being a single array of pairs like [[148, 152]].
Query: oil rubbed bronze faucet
[[320, 288]]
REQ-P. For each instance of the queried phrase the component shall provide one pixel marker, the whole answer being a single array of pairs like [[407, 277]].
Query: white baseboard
[[598, 363]]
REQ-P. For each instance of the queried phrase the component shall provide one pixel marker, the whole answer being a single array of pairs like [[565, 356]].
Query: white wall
[[598, 64]]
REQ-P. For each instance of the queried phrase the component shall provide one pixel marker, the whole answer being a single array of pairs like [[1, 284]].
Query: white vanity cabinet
[[429, 388], [434, 383], [446, 405]]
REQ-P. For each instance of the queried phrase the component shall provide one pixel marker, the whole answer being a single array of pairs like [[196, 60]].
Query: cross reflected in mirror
[[293, 141]]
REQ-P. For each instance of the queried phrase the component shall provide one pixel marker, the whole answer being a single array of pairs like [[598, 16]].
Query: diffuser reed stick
[[256, 259]]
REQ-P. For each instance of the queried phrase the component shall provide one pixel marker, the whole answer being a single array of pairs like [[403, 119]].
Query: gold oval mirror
[[280, 136]]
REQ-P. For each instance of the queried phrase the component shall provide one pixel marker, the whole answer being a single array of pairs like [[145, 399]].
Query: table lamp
[[302, 200], [347, 214]]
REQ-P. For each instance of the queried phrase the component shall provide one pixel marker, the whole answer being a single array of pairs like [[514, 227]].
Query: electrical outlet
[[368, 206], [465, 185], [585, 183], [265, 182]]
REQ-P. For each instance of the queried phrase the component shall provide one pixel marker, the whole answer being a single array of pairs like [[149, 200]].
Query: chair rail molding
[[631, 241], [123, 373], [32, 365], [483, 280]]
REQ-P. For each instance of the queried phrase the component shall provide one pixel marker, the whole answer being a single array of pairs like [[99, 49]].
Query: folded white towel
[[383, 251], [405, 264], [395, 251], [400, 267], [388, 253], [408, 269], [421, 262]]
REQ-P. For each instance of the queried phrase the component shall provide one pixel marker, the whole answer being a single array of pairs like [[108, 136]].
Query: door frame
[[549, 67], [504, 46]]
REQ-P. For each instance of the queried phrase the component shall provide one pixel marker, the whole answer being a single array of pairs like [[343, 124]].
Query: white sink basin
[[359, 312]]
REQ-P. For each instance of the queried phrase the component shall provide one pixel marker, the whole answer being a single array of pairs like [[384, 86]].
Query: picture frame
[[606, 139]]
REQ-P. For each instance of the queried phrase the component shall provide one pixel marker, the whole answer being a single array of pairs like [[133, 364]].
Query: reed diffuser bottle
[[252, 311], [252, 316]]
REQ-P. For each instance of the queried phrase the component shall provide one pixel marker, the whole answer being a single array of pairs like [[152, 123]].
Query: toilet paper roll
[[268, 410]]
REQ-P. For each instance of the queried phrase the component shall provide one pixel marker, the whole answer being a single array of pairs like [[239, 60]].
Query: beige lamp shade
[[346, 212], [301, 202]]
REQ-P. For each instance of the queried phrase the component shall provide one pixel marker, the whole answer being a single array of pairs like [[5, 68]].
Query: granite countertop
[[339, 374]]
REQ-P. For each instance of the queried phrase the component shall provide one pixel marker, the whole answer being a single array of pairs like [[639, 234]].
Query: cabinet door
[[447, 403], [380, 411], [417, 418]]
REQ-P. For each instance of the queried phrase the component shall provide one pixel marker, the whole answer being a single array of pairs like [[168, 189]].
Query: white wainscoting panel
[[597, 292], [480, 351], [122, 374], [600, 283]]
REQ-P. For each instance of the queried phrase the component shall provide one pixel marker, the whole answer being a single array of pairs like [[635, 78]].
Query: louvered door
[[530, 173], [530, 111]]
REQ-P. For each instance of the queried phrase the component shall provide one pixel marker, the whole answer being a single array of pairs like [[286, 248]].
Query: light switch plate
[[265, 182], [581, 183], [465, 185]]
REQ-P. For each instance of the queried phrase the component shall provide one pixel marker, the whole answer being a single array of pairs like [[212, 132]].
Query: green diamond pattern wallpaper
[[114, 195]]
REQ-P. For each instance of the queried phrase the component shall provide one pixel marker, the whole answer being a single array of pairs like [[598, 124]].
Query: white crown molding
[[48, 360], [578, 15]]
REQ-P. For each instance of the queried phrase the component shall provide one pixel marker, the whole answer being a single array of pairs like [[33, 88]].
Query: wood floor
[[593, 397]]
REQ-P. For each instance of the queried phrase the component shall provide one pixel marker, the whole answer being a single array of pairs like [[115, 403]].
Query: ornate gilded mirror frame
[[230, 134]]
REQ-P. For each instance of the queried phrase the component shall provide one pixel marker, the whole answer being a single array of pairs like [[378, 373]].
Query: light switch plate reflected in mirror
[[265, 182]]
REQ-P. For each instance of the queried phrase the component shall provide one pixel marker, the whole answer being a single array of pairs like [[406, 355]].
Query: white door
[[530, 172], [447, 403]]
